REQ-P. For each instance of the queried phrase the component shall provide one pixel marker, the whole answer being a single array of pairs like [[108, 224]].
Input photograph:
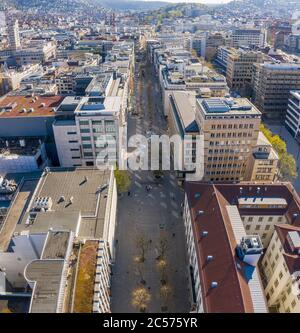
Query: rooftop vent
[[42, 204], [204, 233], [214, 284], [209, 258], [43, 105], [200, 212]]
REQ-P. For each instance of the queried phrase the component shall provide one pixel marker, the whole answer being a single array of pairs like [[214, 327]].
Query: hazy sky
[[198, 1]]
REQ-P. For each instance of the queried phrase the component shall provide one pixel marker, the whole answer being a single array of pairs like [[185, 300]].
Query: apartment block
[[272, 84]]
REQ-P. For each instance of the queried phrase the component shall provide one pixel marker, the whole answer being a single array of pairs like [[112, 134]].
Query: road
[[153, 217]]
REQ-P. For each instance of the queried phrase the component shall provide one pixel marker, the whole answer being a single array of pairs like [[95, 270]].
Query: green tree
[[278, 144], [123, 180], [287, 167]]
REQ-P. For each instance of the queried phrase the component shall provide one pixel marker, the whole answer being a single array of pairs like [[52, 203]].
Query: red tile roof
[[43, 106], [232, 293]]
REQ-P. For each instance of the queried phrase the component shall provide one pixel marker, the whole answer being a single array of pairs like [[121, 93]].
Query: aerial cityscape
[[150, 155]]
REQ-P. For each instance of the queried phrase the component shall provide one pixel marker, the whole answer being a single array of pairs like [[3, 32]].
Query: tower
[[13, 34]]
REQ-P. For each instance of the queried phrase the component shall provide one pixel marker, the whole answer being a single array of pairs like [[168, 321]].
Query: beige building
[[263, 162], [240, 68], [280, 269], [230, 128]]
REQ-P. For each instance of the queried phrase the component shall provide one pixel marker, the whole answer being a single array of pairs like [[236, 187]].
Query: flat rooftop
[[47, 273], [75, 195], [40, 106], [236, 106]]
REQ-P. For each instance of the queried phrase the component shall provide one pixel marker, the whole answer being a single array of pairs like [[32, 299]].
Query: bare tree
[[143, 246], [140, 298]]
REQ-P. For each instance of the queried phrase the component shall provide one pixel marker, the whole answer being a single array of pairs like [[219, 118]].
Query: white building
[[249, 37], [292, 119]]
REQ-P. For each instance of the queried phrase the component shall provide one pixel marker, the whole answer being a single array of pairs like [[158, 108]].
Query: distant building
[[272, 84], [248, 37], [13, 35], [240, 68]]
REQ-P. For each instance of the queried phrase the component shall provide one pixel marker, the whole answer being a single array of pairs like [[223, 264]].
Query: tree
[[143, 246], [287, 167], [140, 298], [278, 144], [123, 180]]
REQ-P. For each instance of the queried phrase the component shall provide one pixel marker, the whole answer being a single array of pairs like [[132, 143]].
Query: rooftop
[[77, 202], [221, 218], [46, 274], [28, 106], [238, 106]]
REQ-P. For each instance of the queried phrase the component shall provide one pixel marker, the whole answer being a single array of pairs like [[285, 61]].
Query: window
[[74, 149], [89, 163], [88, 154], [280, 275], [250, 219], [85, 138], [73, 141], [87, 146], [272, 291], [289, 290], [270, 219], [84, 130], [75, 157], [264, 236], [276, 283], [71, 133], [247, 227], [283, 298], [293, 304], [83, 122], [260, 219], [257, 227], [267, 227]]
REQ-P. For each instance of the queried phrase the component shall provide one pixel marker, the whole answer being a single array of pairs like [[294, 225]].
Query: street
[[151, 215]]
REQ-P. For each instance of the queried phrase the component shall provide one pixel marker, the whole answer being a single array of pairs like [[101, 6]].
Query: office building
[[272, 84], [248, 37]]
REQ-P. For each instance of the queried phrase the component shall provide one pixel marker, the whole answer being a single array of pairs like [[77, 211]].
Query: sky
[[197, 1]]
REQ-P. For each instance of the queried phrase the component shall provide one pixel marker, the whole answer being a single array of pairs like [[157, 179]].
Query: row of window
[[230, 126]]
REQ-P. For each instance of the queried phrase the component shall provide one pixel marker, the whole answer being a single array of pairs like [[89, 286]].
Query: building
[[272, 84], [280, 270], [193, 76], [240, 68], [292, 119], [13, 35], [249, 37], [182, 122], [213, 42], [80, 126], [22, 155], [29, 117], [262, 165], [228, 226], [44, 240], [224, 280], [222, 57], [230, 128]]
